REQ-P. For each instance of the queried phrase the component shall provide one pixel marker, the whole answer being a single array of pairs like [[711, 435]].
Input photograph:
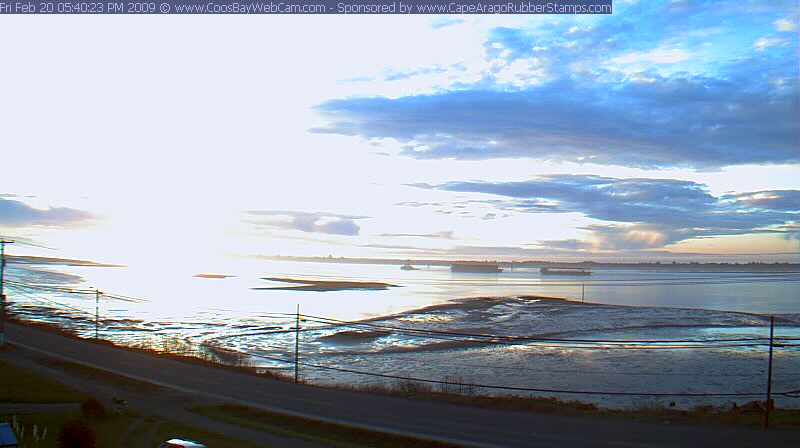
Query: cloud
[[392, 75], [18, 214], [762, 43], [571, 244], [338, 227], [394, 247], [658, 123], [310, 222], [786, 24], [686, 88], [630, 237], [443, 235], [656, 56], [445, 21], [774, 200], [416, 204], [575, 250], [640, 213]]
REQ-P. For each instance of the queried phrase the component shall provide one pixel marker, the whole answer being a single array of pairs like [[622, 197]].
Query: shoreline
[[342, 346], [747, 414]]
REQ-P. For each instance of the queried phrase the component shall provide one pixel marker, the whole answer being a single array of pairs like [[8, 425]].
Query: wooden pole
[[96, 313], [769, 373], [3, 291], [297, 347]]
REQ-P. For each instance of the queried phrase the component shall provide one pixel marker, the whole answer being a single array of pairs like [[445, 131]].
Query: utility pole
[[3, 291], [769, 373], [96, 312], [583, 292], [297, 347]]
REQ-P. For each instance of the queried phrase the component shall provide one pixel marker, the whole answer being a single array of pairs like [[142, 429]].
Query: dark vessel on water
[[476, 267], [565, 271]]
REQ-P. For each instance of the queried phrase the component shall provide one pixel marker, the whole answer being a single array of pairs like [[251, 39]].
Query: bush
[[456, 385], [76, 434], [411, 387], [92, 408]]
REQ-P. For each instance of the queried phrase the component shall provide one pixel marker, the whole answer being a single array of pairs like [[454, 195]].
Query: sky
[[669, 130]]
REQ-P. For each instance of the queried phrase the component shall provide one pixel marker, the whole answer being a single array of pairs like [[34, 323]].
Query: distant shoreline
[[749, 267], [755, 267]]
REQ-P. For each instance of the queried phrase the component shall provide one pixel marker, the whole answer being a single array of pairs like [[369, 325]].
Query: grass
[[108, 431], [309, 429], [126, 430], [19, 385], [102, 375], [120, 429], [749, 415], [459, 391], [44, 421], [169, 429]]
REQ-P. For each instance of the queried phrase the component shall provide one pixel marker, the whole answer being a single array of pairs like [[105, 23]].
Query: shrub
[[704, 409], [76, 434], [93, 408], [456, 385], [411, 387]]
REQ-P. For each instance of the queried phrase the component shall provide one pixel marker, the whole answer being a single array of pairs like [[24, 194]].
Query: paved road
[[457, 424]]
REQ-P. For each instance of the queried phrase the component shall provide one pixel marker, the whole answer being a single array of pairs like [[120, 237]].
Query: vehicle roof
[[184, 443]]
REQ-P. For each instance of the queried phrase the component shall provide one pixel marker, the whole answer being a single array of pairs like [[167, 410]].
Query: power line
[[617, 372], [520, 338], [42, 299], [69, 290], [28, 243], [522, 389], [478, 338], [597, 345], [443, 334], [337, 322], [486, 338], [51, 288]]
